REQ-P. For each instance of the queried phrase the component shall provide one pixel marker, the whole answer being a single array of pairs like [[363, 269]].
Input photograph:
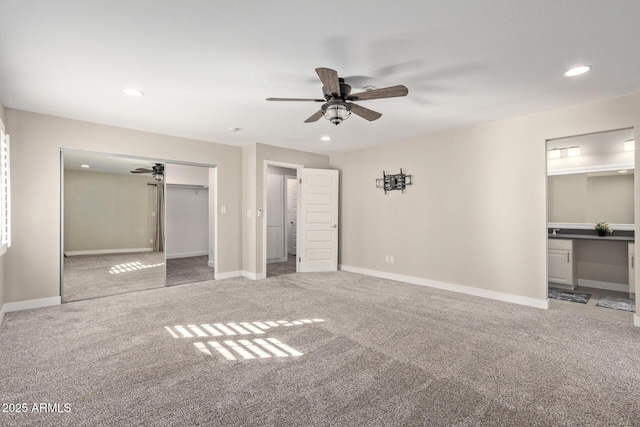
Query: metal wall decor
[[393, 182]]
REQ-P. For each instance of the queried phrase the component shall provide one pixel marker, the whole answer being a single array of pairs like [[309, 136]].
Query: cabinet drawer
[[560, 244]]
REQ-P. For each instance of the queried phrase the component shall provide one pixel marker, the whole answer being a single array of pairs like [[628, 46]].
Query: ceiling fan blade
[[365, 113], [297, 99], [314, 117], [329, 79], [387, 92]]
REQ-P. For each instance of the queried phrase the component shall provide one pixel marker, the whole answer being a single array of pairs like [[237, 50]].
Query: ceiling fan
[[157, 171], [337, 98]]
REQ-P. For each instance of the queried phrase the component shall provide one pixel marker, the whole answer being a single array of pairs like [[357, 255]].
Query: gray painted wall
[[37, 140], [105, 211], [476, 214]]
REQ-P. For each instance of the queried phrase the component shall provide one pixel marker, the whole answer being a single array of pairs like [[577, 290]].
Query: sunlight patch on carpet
[[241, 349], [132, 266]]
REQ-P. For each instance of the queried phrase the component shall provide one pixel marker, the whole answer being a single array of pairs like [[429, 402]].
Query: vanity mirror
[[591, 179]]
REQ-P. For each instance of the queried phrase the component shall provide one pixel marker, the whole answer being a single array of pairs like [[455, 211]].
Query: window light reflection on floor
[[240, 349], [132, 266], [232, 328]]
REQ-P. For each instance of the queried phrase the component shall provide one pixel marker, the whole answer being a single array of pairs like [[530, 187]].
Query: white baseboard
[[483, 293], [31, 303], [1, 314], [254, 276], [186, 254], [227, 275], [107, 251], [619, 287]]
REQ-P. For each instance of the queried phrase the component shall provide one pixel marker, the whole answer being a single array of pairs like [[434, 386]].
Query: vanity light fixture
[[554, 153], [630, 145], [576, 71], [573, 151], [325, 138], [133, 92]]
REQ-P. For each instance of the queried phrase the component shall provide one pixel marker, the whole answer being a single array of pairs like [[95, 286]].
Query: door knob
[[334, 226]]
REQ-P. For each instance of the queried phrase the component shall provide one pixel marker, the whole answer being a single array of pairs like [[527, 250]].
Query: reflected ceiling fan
[[157, 171], [337, 98]]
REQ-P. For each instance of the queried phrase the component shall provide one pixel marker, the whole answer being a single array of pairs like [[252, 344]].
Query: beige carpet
[[341, 349], [188, 270], [92, 276]]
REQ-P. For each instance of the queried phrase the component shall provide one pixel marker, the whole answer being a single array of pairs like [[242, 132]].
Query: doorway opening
[[281, 218], [189, 201], [590, 180]]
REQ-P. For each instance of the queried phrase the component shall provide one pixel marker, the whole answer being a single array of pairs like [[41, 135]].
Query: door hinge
[[299, 259], [300, 180]]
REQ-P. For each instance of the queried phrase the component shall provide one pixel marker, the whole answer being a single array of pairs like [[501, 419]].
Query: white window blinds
[[5, 192]]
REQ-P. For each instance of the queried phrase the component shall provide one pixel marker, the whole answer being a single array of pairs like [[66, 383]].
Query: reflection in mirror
[[591, 179], [113, 229], [189, 224]]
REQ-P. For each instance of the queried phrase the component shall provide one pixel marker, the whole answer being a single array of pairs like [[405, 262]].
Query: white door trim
[[265, 164]]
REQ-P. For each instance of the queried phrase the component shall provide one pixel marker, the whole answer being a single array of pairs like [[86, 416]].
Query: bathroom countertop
[[608, 237]]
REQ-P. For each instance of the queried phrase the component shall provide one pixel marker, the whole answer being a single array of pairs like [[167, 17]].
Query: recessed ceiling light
[[85, 166], [325, 138], [234, 129], [576, 71], [133, 92]]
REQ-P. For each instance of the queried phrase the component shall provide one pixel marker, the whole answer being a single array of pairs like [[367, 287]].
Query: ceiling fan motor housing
[[345, 90]]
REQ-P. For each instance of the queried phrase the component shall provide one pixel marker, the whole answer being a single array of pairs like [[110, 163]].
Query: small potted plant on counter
[[603, 228]]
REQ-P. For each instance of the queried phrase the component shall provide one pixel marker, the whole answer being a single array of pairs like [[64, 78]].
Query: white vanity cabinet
[[632, 269], [561, 263]]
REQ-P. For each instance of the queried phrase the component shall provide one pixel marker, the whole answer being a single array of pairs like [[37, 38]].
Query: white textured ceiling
[[206, 66]]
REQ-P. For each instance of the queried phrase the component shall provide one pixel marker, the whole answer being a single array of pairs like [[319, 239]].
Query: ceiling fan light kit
[[336, 111], [338, 104]]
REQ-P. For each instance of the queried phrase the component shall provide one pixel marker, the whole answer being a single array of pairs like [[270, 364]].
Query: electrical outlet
[[386, 258], [150, 240], [392, 259]]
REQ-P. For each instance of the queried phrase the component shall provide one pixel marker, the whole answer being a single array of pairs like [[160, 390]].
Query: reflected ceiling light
[[336, 111], [576, 71], [630, 145], [624, 171], [234, 129], [554, 153], [133, 92], [85, 166], [573, 151], [325, 138]]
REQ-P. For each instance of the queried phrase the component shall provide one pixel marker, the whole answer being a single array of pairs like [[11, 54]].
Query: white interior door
[[292, 214], [318, 220]]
